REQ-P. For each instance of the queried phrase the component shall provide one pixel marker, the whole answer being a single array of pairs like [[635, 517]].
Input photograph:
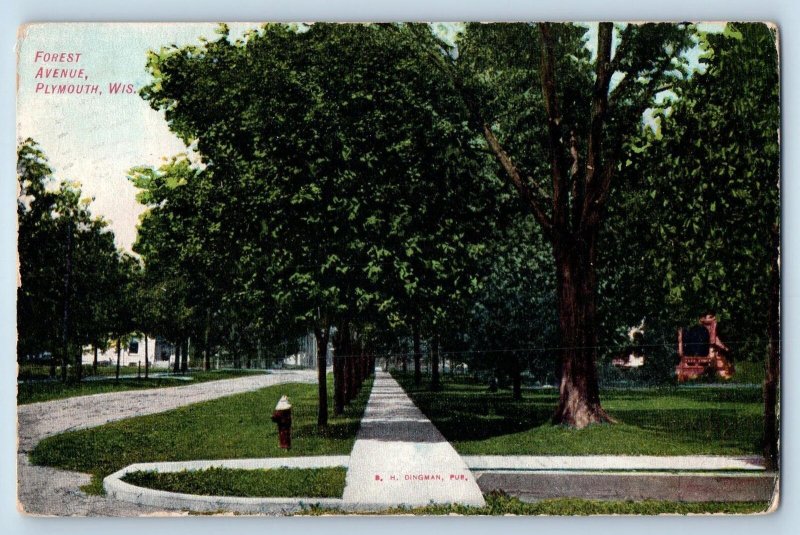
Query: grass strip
[[499, 503], [277, 483]]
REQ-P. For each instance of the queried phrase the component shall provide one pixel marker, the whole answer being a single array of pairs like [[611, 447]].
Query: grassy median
[[276, 483], [233, 427], [675, 420]]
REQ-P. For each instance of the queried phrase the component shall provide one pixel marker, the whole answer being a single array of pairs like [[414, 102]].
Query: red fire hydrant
[[283, 417]]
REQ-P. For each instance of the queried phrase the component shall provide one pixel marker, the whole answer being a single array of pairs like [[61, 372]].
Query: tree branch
[[603, 72], [578, 184], [554, 138], [518, 181]]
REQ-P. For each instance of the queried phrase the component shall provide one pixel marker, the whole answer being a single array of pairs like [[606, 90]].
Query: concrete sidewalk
[[400, 458]]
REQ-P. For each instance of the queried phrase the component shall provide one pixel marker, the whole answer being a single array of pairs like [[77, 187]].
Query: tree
[[68, 266], [547, 106], [699, 204], [38, 298], [327, 164]]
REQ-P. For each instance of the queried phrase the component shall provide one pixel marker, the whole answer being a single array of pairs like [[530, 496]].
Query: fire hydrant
[[283, 417]]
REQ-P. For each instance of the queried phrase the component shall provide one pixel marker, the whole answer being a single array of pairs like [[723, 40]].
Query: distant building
[[160, 353], [306, 356]]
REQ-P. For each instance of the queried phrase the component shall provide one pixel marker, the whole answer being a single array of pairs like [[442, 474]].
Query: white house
[[160, 353]]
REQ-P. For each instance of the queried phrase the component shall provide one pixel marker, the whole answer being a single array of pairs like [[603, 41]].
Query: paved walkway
[[48, 491], [400, 458]]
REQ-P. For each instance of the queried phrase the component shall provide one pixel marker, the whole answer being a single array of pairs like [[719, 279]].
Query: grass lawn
[[498, 503], [748, 373], [232, 427], [36, 391], [653, 421], [278, 483]]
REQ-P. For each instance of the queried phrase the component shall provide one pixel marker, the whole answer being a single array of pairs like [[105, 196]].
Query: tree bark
[[119, 357], [772, 377], [146, 358], [321, 335], [94, 362], [516, 370], [579, 393], [417, 354]]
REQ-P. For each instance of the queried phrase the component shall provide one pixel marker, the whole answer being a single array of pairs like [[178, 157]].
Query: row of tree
[[76, 287], [389, 178], [510, 188]]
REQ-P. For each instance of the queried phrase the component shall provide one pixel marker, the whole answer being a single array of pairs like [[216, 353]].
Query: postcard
[[467, 268]]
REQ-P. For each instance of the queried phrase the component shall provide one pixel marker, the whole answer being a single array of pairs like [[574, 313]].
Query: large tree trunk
[[146, 358], [321, 335], [772, 377], [579, 394], [94, 362], [417, 354]]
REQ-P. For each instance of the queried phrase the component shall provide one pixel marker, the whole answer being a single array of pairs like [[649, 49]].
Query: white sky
[[95, 139]]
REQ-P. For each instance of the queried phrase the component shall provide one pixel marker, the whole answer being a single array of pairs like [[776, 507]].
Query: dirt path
[[48, 491]]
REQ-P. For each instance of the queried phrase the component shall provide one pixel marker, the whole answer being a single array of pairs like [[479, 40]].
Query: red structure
[[714, 360]]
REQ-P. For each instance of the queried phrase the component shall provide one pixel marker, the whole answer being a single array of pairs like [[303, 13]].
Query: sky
[[94, 139]]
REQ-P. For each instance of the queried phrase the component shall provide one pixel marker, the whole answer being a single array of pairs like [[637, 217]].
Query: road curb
[[117, 489]]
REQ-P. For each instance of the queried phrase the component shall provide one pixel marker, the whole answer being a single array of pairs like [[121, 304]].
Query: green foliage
[[232, 427], [339, 180], [512, 315], [68, 259], [277, 483], [690, 218]]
